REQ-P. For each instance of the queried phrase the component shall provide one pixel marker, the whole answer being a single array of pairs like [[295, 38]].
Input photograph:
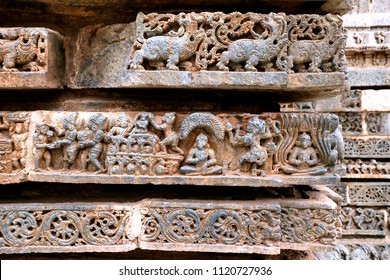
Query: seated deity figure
[[303, 157], [201, 159]]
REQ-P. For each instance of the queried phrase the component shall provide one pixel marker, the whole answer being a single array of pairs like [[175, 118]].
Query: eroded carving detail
[[309, 225], [64, 228], [211, 226], [351, 99], [21, 50], [239, 42], [13, 135], [356, 252], [361, 221]]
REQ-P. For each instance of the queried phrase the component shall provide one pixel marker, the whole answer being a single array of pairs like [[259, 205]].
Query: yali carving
[[238, 42]]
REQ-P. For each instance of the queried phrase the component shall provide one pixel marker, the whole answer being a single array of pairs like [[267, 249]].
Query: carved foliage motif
[[351, 122], [13, 135], [211, 226], [366, 147], [22, 50], [239, 42], [369, 195], [309, 225], [195, 144], [361, 220], [64, 228]]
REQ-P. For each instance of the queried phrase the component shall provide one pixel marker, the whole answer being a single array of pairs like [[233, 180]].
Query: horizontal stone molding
[[366, 169], [270, 149], [368, 193], [367, 147], [263, 226], [31, 58], [369, 77]]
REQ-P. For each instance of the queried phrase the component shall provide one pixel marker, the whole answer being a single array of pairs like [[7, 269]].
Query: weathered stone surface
[[14, 130], [270, 149], [356, 251], [261, 226], [367, 169], [368, 193], [31, 58], [363, 221], [369, 77]]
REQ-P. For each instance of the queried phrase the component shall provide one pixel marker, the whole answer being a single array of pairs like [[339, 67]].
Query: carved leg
[[252, 63], [173, 60], [9, 62], [47, 157], [315, 63], [224, 61], [177, 149], [32, 66], [137, 60]]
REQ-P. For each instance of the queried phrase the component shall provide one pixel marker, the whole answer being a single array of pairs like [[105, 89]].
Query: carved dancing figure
[[171, 137], [256, 130], [304, 157], [82, 137], [94, 143], [117, 134], [19, 134], [69, 143], [42, 145], [201, 159]]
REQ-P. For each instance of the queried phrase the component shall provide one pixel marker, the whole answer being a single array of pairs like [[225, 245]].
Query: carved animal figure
[[20, 50], [316, 52], [383, 167], [257, 51], [172, 48]]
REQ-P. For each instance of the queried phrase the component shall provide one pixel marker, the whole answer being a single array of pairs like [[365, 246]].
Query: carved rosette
[[238, 42], [64, 228]]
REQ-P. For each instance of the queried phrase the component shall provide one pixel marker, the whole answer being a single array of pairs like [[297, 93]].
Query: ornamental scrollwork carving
[[238, 42], [374, 147], [211, 226], [197, 144], [369, 194], [64, 228], [22, 50]]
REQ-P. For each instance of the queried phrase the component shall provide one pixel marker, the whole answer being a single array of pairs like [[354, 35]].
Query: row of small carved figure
[[146, 145], [22, 50], [367, 167], [363, 219], [240, 42]]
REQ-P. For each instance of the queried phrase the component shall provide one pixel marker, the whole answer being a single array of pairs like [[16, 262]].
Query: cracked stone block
[[31, 58]]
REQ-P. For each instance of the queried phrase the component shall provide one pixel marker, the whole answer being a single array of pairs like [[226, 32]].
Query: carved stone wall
[[161, 130]]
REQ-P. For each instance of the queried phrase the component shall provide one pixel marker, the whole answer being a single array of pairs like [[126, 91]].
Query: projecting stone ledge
[[31, 58], [262, 226]]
